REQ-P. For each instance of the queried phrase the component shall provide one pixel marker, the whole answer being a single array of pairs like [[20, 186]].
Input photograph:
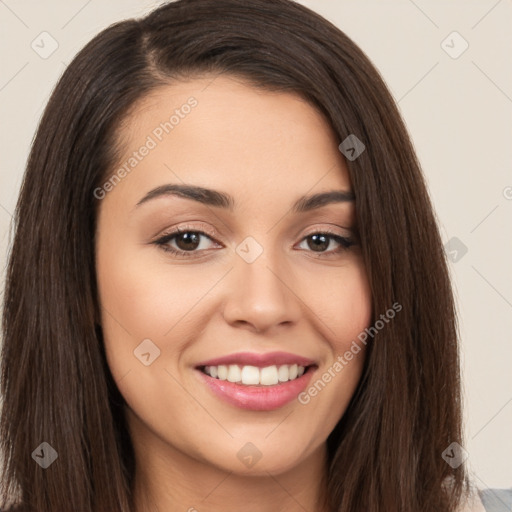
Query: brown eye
[[188, 240], [320, 242]]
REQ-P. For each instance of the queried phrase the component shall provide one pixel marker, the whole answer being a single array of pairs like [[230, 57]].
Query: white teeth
[[234, 374], [222, 372], [269, 376], [252, 375], [283, 373]]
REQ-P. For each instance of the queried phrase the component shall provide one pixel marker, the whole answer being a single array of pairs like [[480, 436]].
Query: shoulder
[[496, 500], [487, 500]]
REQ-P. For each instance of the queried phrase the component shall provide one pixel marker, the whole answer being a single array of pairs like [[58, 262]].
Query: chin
[[259, 458]]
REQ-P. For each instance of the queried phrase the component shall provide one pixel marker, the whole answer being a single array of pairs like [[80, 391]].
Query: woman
[[227, 287]]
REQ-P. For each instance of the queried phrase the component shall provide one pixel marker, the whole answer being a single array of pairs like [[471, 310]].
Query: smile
[[257, 382], [253, 376]]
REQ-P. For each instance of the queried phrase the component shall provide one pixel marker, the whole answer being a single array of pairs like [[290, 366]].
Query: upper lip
[[259, 360]]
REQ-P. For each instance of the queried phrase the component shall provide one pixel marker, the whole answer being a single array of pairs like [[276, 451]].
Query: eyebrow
[[223, 200]]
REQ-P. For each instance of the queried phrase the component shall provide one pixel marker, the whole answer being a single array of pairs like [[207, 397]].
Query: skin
[[266, 149]]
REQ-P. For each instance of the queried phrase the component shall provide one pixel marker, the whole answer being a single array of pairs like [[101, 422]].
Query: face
[[265, 286]]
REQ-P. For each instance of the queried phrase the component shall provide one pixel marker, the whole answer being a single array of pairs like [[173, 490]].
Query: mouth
[[251, 381], [248, 375]]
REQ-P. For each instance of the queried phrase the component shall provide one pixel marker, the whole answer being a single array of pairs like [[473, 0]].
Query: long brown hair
[[385, 454]]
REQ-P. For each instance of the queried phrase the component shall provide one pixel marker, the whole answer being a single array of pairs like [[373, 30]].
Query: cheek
[[146, 299], [140, 300], [343, 304], [147, 309], [344, 310]]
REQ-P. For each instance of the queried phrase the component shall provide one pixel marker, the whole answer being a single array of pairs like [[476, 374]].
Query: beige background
[[458, 111]]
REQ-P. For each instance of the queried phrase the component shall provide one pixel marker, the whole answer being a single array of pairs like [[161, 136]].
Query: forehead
[[220, 132]]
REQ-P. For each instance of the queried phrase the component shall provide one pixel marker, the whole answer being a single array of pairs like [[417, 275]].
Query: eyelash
[[345, 242]]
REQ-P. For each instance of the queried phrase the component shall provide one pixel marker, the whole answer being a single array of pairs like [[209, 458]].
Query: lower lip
[[258, 398]]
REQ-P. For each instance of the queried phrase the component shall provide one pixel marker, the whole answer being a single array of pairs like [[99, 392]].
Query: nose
[[261, 295]]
